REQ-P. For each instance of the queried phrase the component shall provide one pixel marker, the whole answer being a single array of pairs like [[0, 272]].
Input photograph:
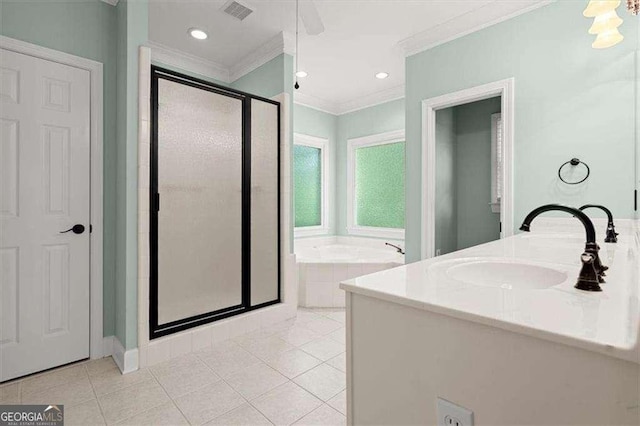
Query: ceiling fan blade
[[311, 18]]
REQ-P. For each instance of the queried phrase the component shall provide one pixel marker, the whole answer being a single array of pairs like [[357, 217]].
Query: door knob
[[77, 229]]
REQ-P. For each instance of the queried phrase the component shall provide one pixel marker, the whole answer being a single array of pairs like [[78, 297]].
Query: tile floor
[[288, 373]]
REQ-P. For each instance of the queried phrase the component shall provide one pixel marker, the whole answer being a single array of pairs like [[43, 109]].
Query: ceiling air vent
[[237, 9]]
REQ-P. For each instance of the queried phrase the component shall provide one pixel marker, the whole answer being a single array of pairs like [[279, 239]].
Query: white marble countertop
[[606, 322]]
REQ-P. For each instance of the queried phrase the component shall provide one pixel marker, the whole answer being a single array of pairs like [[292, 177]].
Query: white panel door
[[44, 189]]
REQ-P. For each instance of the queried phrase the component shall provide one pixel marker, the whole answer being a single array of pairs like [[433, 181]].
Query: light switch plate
[[450, 414]]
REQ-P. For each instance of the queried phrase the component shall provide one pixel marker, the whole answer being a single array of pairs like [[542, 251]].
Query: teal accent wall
[[570, 101], [132, 31], [377, 119], [446, 232], [476, 223], [379, 189], [312, 122], [87, 29], [267, 81]]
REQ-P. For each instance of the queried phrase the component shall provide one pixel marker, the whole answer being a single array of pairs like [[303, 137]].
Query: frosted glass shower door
[[265, 200], [199, 182]]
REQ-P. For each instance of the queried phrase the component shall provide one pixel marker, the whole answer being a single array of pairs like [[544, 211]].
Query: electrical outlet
[[438, 252], [450, 414]]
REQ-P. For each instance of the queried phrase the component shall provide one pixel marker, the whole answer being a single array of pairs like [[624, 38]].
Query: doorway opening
[[467, 168]]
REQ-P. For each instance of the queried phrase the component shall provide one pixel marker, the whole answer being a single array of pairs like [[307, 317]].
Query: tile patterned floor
[[289, 373]]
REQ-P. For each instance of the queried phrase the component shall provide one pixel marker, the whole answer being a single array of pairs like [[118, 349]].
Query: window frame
[[368, 141], [323, 145]]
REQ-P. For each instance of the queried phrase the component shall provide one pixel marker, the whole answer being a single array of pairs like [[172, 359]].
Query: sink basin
[[507, 275]]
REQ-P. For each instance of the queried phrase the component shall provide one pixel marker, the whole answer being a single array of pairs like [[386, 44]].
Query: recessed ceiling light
[[382, 75], [198, 34], [301, 74]]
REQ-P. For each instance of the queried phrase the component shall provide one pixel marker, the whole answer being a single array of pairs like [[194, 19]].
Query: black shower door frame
[[158, 330]]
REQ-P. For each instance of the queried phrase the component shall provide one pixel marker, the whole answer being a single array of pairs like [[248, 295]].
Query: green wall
[[570, 101], [377, 119], [267, 81], [312, 122], [87, 29], [132, 32], [476, 223]]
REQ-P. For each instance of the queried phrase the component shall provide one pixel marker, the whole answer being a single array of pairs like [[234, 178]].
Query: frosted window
[[264, 202], [307, 171], [379, 185], [200, 216]]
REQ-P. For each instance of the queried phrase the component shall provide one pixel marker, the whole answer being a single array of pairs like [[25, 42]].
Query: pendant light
[[297, 86], [605, 22]]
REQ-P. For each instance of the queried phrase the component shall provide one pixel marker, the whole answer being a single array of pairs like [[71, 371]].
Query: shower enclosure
[[215, 216]]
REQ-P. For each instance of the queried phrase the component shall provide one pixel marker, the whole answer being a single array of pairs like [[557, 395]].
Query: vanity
[[500, 330]]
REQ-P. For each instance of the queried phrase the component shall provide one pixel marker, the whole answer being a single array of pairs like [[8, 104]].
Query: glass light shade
[[607, 39], [198, 34], [600, 7], [606, 22]]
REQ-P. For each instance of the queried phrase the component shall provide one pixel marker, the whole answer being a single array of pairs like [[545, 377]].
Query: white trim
[[281, 43], [361, 102], [310, 101], [127, 361], [184, 61], [111, 2], [144, 166], [463, 25], [323, 145], [95, 70], [373, 99], [352, 145], [107, 346], [502, 88]]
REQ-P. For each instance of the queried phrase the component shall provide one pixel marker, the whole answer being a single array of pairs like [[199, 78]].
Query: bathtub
[[324, 262]]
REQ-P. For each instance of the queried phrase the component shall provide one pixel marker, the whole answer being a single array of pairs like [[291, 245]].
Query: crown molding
[[185, 61], [362, 102], [466, 24], [283, 42], [111, 2], [314, 102], [373, 99]]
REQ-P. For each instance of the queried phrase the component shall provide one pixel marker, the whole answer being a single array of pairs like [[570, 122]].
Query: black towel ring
[[574, 162]]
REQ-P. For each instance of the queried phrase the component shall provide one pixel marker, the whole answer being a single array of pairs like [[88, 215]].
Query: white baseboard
[[107, 346], [127, 361]]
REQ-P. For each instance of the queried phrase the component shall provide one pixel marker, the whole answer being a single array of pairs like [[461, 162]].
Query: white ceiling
[[361, 37]]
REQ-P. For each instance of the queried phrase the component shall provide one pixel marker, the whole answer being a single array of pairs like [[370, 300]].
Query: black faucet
[[592, 269], [612, 235], [398, 248]]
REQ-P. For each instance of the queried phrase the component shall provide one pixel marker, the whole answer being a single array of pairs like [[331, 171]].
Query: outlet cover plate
[[450, 414]]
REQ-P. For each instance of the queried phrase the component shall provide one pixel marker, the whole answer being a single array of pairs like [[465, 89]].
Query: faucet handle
[[587, 258], [588, 279]]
